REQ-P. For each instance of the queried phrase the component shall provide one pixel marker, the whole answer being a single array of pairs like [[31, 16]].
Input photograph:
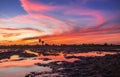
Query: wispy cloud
[[31, 6], [77, 24], [17, 34]]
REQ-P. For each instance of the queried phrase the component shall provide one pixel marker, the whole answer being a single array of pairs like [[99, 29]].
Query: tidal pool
[[17, 71], [16, 66]]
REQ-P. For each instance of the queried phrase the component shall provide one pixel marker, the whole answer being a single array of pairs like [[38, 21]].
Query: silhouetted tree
[[42, 42], [39, 40], [105, 44]]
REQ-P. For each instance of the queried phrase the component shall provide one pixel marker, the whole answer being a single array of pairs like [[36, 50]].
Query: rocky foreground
[[107, 66]]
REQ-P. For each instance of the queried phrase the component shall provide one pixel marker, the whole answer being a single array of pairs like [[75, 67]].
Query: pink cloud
[[49, 22], [94, 31], [35, 25], [57, 27], [1, 25], [31, 6], [40, 20], [97, 16], [89, 35]]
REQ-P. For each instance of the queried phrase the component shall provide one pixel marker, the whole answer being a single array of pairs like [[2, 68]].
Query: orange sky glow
[[58, 22]]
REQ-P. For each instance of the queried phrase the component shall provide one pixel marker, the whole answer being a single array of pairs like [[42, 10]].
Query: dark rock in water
[[29, 75], [107, 66]]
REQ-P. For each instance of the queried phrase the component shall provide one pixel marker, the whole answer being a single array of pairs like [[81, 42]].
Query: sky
[[59, 21]]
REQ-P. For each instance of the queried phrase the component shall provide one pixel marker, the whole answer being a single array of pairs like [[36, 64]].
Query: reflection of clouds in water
[[22, 67], [20, 71], [21, 63], [14, 57], [31, 52], [60, 57], [91, 54]]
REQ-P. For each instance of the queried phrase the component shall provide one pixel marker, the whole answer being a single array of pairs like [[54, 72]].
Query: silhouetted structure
[[42, 43]]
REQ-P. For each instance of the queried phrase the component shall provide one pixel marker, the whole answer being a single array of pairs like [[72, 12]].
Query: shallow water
[[17, 66], [15, 71]]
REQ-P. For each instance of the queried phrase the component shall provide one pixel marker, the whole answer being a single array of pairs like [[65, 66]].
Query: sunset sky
[[59, 21]]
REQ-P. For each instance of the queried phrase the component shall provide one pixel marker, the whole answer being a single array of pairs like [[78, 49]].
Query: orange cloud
[[17, 34], [109, 34], [28, 28], [10, 35], [52, 26]]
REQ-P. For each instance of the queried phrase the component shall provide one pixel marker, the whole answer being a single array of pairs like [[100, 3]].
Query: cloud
[[109, 33], [47, 24], [34, 6], [21, 29], [76, 25], [102, 34], [95, 16], [12, 34]]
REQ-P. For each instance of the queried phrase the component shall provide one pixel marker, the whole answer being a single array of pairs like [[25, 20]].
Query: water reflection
[[20, 71], [31, 52], [17, 66], [91, 54], [14, 57], [60, 57]]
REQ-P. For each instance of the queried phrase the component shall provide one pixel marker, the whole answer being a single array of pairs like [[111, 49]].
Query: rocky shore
[[107, 66], [53, 49]]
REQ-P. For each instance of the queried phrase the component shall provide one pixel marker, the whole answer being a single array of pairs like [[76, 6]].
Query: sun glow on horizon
[[59, 22]]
